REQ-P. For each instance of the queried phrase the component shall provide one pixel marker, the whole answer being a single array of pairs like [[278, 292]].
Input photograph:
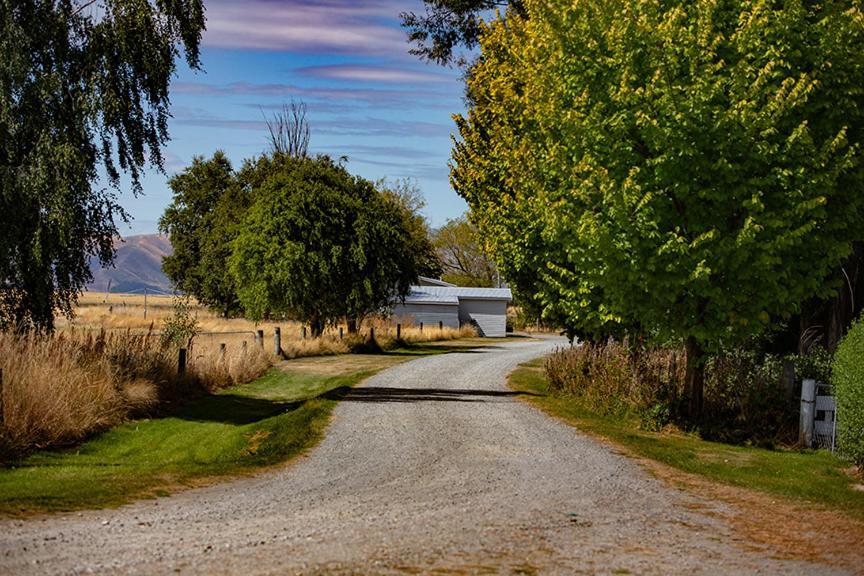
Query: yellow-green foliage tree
[[691, 168]]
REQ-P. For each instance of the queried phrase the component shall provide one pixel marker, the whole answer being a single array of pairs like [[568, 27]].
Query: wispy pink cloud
[[370, 95], [365, 126], [367, 73], [361, 28]]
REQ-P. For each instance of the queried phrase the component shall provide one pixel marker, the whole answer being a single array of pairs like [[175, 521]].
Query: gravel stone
[[430, 465]]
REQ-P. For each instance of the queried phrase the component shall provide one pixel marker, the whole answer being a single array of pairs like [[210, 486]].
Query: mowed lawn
[[236, 431], [812, 476]]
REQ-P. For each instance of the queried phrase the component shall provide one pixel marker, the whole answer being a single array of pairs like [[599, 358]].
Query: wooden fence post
[[808, 405], [181, 362], [421, 327], [244, 346], [277, 341], [441, 325], [261, 338], [398, 331], [340, 332], [222, 351], [372, 333], [303, 333], [787, 380]]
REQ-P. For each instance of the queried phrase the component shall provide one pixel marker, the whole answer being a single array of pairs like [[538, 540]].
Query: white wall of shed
[[490, 316], [429, 314]]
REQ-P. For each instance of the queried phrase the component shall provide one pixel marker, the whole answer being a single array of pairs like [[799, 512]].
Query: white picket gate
[[818, 416]]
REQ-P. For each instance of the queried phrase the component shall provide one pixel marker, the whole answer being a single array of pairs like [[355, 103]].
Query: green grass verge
[[813, 476], [236, 431]]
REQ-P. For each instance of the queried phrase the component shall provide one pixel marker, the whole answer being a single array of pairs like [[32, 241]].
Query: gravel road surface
[[431, 465]]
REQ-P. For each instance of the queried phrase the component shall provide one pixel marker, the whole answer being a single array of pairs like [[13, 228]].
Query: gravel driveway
[[433, 464]]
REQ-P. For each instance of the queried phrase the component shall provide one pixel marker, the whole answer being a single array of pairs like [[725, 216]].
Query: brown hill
[[138, 265]]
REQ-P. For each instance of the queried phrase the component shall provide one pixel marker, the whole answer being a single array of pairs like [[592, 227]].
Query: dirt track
[[432, 464]]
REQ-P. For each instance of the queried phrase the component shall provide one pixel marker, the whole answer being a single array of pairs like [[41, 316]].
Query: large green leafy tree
[[209, 204], [696, 165], [514, 195], [83, 90], [319, 244]]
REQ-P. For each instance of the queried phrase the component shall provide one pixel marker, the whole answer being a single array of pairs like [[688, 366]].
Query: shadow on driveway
[[386, 394]]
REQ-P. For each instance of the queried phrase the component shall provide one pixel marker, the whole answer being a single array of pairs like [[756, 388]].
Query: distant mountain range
[[137, 266]]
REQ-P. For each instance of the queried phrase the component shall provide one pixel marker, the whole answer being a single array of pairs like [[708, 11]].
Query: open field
[[100, 311]]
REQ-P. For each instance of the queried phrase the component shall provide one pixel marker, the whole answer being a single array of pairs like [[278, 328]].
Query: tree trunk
[[352, 325], [316, 326], [694, 379]]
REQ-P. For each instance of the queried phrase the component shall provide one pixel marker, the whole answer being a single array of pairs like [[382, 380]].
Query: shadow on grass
[[237, 410], [385, 394], [421, 349]]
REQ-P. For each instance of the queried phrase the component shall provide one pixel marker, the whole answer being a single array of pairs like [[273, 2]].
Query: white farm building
[[434, 303]]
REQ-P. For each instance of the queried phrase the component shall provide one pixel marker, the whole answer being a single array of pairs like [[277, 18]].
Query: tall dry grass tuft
[[744, 396], [59, 389], [56, 390], [212, 370], [386, 334]]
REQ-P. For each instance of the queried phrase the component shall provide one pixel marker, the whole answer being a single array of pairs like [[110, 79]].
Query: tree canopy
[[688, 170], [209, 204], [405, 194], [447, 24], [319, 244], [83, 93], [462, 255]]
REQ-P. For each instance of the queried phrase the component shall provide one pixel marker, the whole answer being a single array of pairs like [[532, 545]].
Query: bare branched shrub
[[289, 130]]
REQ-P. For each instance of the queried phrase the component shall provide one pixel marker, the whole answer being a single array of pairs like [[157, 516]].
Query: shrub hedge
[[745, 402], [848, 383]]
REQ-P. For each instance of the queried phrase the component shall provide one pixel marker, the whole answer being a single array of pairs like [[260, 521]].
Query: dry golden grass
[[107, 364], [57, 390], [126, 312]]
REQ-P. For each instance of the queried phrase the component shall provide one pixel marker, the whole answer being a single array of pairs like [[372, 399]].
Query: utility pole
[[145, 303]]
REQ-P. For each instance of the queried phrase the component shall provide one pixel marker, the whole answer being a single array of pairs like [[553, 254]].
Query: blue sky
[[367, 98]]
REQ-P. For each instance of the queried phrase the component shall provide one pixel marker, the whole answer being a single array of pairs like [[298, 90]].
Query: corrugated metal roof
[[426, 281], [464, 292], [420, 295]]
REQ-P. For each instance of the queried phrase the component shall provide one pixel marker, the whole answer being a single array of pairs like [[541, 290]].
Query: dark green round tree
[[319, 245]]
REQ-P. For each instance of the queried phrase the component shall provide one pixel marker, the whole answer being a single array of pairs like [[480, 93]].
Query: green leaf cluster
[[847, 378], [210, 199], [684, 169]]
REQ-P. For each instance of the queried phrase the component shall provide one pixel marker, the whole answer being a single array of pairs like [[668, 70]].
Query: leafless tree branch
[[289, 130]]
